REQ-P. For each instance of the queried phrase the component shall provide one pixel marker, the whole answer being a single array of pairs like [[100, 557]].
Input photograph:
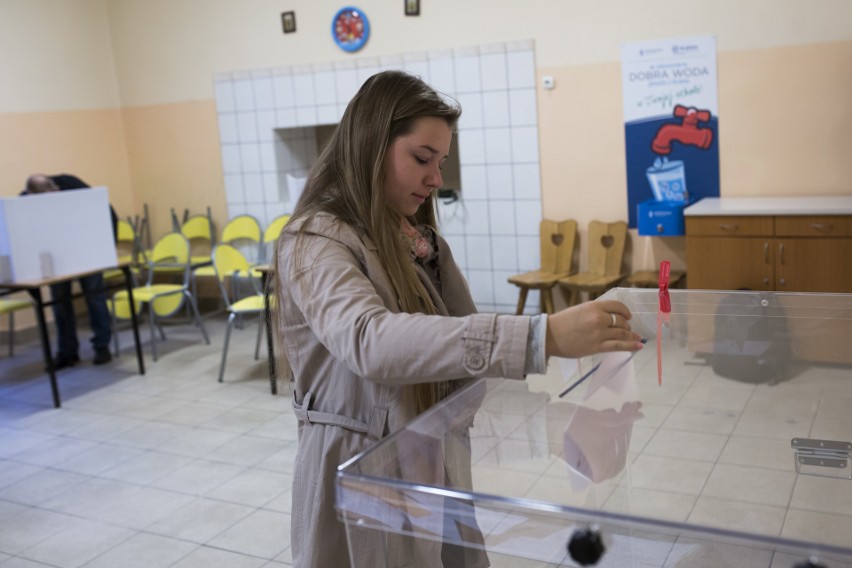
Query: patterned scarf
[[419, 240]]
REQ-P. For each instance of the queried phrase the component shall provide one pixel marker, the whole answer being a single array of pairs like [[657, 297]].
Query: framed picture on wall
[[412, 7], [288, 22]]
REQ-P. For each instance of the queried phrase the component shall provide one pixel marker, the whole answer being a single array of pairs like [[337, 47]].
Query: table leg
[[128, 285], [273, 383], [45, 344]]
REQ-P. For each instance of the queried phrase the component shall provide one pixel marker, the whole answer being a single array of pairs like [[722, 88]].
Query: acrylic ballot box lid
[[739, 457]]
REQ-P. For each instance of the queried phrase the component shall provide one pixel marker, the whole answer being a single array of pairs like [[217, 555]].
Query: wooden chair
[[606, 255], [556, 240], [10, 306]]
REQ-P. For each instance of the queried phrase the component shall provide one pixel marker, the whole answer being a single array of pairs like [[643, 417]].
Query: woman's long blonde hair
[[348, 180]]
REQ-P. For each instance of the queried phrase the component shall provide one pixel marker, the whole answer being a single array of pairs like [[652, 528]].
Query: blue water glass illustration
[[668, 180]]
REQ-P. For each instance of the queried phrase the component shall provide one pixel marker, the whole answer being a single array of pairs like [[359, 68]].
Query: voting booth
[[55, 234], [725, 442]]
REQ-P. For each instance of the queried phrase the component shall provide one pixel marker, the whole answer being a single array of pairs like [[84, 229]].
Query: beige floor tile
[[823, 494], [12, 471], [106, 428], [253, 487], [41, 486], [264, 534], [669, 474], [192, 413], [146, 467], [738, 516], [761, 452], [144, 551], [196, 442], [54, 451], [689, 445], [148, 435], [822, 528], [650, 504], [708, 420], [78, 542], [16, 441], [247, 450], [201, 520], [771, 424], [198, 477], [751, 485], [206, 557]]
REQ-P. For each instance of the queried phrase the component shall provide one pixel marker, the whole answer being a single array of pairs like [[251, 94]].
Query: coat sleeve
[[345, 311]]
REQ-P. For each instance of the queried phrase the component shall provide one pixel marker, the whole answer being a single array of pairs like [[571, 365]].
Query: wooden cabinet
[[785, 253]]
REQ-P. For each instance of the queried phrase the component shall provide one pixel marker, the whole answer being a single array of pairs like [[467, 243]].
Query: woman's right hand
[[590, 327]]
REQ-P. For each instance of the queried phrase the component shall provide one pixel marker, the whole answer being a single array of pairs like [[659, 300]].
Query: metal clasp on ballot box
[[825, 458]]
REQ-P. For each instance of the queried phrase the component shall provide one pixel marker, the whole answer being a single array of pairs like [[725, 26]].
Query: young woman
[[375, 317]]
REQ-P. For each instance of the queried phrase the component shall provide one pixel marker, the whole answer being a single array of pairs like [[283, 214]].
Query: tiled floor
[[170, 469]]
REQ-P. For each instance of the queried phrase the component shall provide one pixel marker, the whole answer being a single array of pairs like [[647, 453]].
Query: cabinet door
[[722, 263], [813, 265]]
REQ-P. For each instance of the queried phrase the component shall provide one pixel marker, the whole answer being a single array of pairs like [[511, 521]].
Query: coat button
[[475, 361]]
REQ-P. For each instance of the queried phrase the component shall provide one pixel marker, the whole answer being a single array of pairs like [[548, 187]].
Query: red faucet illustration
[[687, 132]]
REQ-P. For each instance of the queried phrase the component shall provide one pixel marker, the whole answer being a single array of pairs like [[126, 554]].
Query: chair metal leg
[[231, 318], [259, 335], [12, 335], [200, 323], [152, 324]]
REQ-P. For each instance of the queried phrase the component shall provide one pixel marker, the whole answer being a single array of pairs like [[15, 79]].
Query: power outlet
[[548, 82]]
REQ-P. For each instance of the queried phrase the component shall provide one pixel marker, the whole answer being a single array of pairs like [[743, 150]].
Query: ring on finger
[[612, 315]]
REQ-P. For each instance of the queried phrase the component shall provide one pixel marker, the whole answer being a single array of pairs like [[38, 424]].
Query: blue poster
[[671, 121]]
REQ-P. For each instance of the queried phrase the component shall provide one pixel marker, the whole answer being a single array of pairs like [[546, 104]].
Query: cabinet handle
[[765, 253], [822, 227], [782, 282], [729, 226], [781, 256]]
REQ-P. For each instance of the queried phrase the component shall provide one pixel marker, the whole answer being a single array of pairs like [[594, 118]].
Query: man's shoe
[[61, 361], [102, 356]]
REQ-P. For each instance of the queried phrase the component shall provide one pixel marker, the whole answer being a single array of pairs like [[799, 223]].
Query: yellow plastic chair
[[606, 255], [271, 234], [230, 264], [128, 249], [556, 244], [162, 300], [199, 229], [10, 306], [240, 231]]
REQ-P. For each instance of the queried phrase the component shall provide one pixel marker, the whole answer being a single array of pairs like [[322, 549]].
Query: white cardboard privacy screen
[[63, 232]]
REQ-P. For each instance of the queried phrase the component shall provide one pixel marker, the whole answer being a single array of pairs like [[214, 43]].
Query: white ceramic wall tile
[[326, 91], [477, 217], [474, 182], [285, 117], [502, 217], [498, 146], [253, 187], [467, 74], [441, 75], [471, 147], [282, 87], [346, 83], [522, 107], [527, 217], [505, 294], [231, 161], [529, 253], [525, 144], [264, 96], [496, 218], [481, 286], [327, 114], [418, 69], [250, 158], [306, 116], [234, 189], [303, 90], [527, 181], [500, 181], [244, 95], [452, 218], [495, 109], [228, 128], [266, 122], [504, 253], [268, 161], [457, 247], [494, 72], [247, 126], [521, 69], [271, 189], [471, 105], [224, 92], [478, 252]]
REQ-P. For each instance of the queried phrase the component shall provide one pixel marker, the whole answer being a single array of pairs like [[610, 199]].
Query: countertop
[[712, 206]]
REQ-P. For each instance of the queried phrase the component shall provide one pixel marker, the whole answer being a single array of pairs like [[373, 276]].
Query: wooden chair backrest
[[557, 245], [606, 247]]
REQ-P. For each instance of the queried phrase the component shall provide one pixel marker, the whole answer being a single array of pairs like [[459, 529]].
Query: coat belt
[[374, 429]]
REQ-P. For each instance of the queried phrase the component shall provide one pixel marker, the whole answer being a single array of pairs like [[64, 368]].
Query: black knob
[[586, 546], [810, 563]]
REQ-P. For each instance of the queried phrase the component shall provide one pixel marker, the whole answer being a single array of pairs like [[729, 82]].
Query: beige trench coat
[[353, 355]]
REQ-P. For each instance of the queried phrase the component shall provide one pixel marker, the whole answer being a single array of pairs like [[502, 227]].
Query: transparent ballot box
[[725, 442]]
